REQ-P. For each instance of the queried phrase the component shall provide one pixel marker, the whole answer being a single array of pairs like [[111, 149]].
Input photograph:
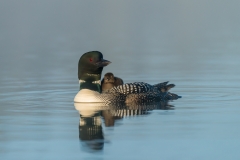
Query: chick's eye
[[90, 59]]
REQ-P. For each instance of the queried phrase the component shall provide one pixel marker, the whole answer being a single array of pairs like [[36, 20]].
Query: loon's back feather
[[131, 88], [140, 92]]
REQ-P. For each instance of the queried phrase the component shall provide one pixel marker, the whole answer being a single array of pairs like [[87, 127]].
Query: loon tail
[[164, 87]]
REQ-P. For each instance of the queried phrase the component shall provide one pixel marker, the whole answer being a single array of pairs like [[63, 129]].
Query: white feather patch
[[86, 95]]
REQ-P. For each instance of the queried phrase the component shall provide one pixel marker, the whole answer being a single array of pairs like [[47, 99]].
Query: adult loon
[[109, 81], [90, 68]]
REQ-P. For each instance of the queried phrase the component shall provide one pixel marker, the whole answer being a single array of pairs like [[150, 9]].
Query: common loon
[[90, 68], [109, 81]]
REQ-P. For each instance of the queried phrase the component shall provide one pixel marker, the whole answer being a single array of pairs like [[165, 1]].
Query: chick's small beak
[[102, 63]]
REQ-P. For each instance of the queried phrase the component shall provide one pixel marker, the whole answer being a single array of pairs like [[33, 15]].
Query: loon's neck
[[91, 85], [91, 81]]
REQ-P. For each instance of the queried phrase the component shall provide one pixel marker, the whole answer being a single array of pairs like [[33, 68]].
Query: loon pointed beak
[[102, 63]]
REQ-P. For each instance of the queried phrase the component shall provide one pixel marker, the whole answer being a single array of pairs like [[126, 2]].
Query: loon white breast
[[90, 68]]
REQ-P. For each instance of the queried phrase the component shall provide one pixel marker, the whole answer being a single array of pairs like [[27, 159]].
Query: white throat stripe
[[95, 82]]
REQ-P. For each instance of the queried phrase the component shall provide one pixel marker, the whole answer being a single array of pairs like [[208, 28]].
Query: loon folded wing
[[130, 88]]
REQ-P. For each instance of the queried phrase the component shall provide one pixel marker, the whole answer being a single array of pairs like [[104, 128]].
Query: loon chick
[[109, 81], [90, 68]]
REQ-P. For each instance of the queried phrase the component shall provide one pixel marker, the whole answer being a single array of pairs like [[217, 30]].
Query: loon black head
[[90, 68]]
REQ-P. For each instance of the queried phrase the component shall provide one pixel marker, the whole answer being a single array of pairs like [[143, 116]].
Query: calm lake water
[[195, 47], [39, 119]]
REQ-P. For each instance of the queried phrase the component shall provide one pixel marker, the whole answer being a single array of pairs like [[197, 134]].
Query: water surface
[[39, 121]]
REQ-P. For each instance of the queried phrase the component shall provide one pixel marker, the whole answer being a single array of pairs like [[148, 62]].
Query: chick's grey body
[[109, 81]]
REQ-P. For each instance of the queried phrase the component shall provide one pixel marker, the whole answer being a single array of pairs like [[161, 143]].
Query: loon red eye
[[90, 59]]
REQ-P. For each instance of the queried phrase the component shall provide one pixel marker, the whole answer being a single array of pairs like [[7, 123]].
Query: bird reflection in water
[[92, 114], [90, 129]]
